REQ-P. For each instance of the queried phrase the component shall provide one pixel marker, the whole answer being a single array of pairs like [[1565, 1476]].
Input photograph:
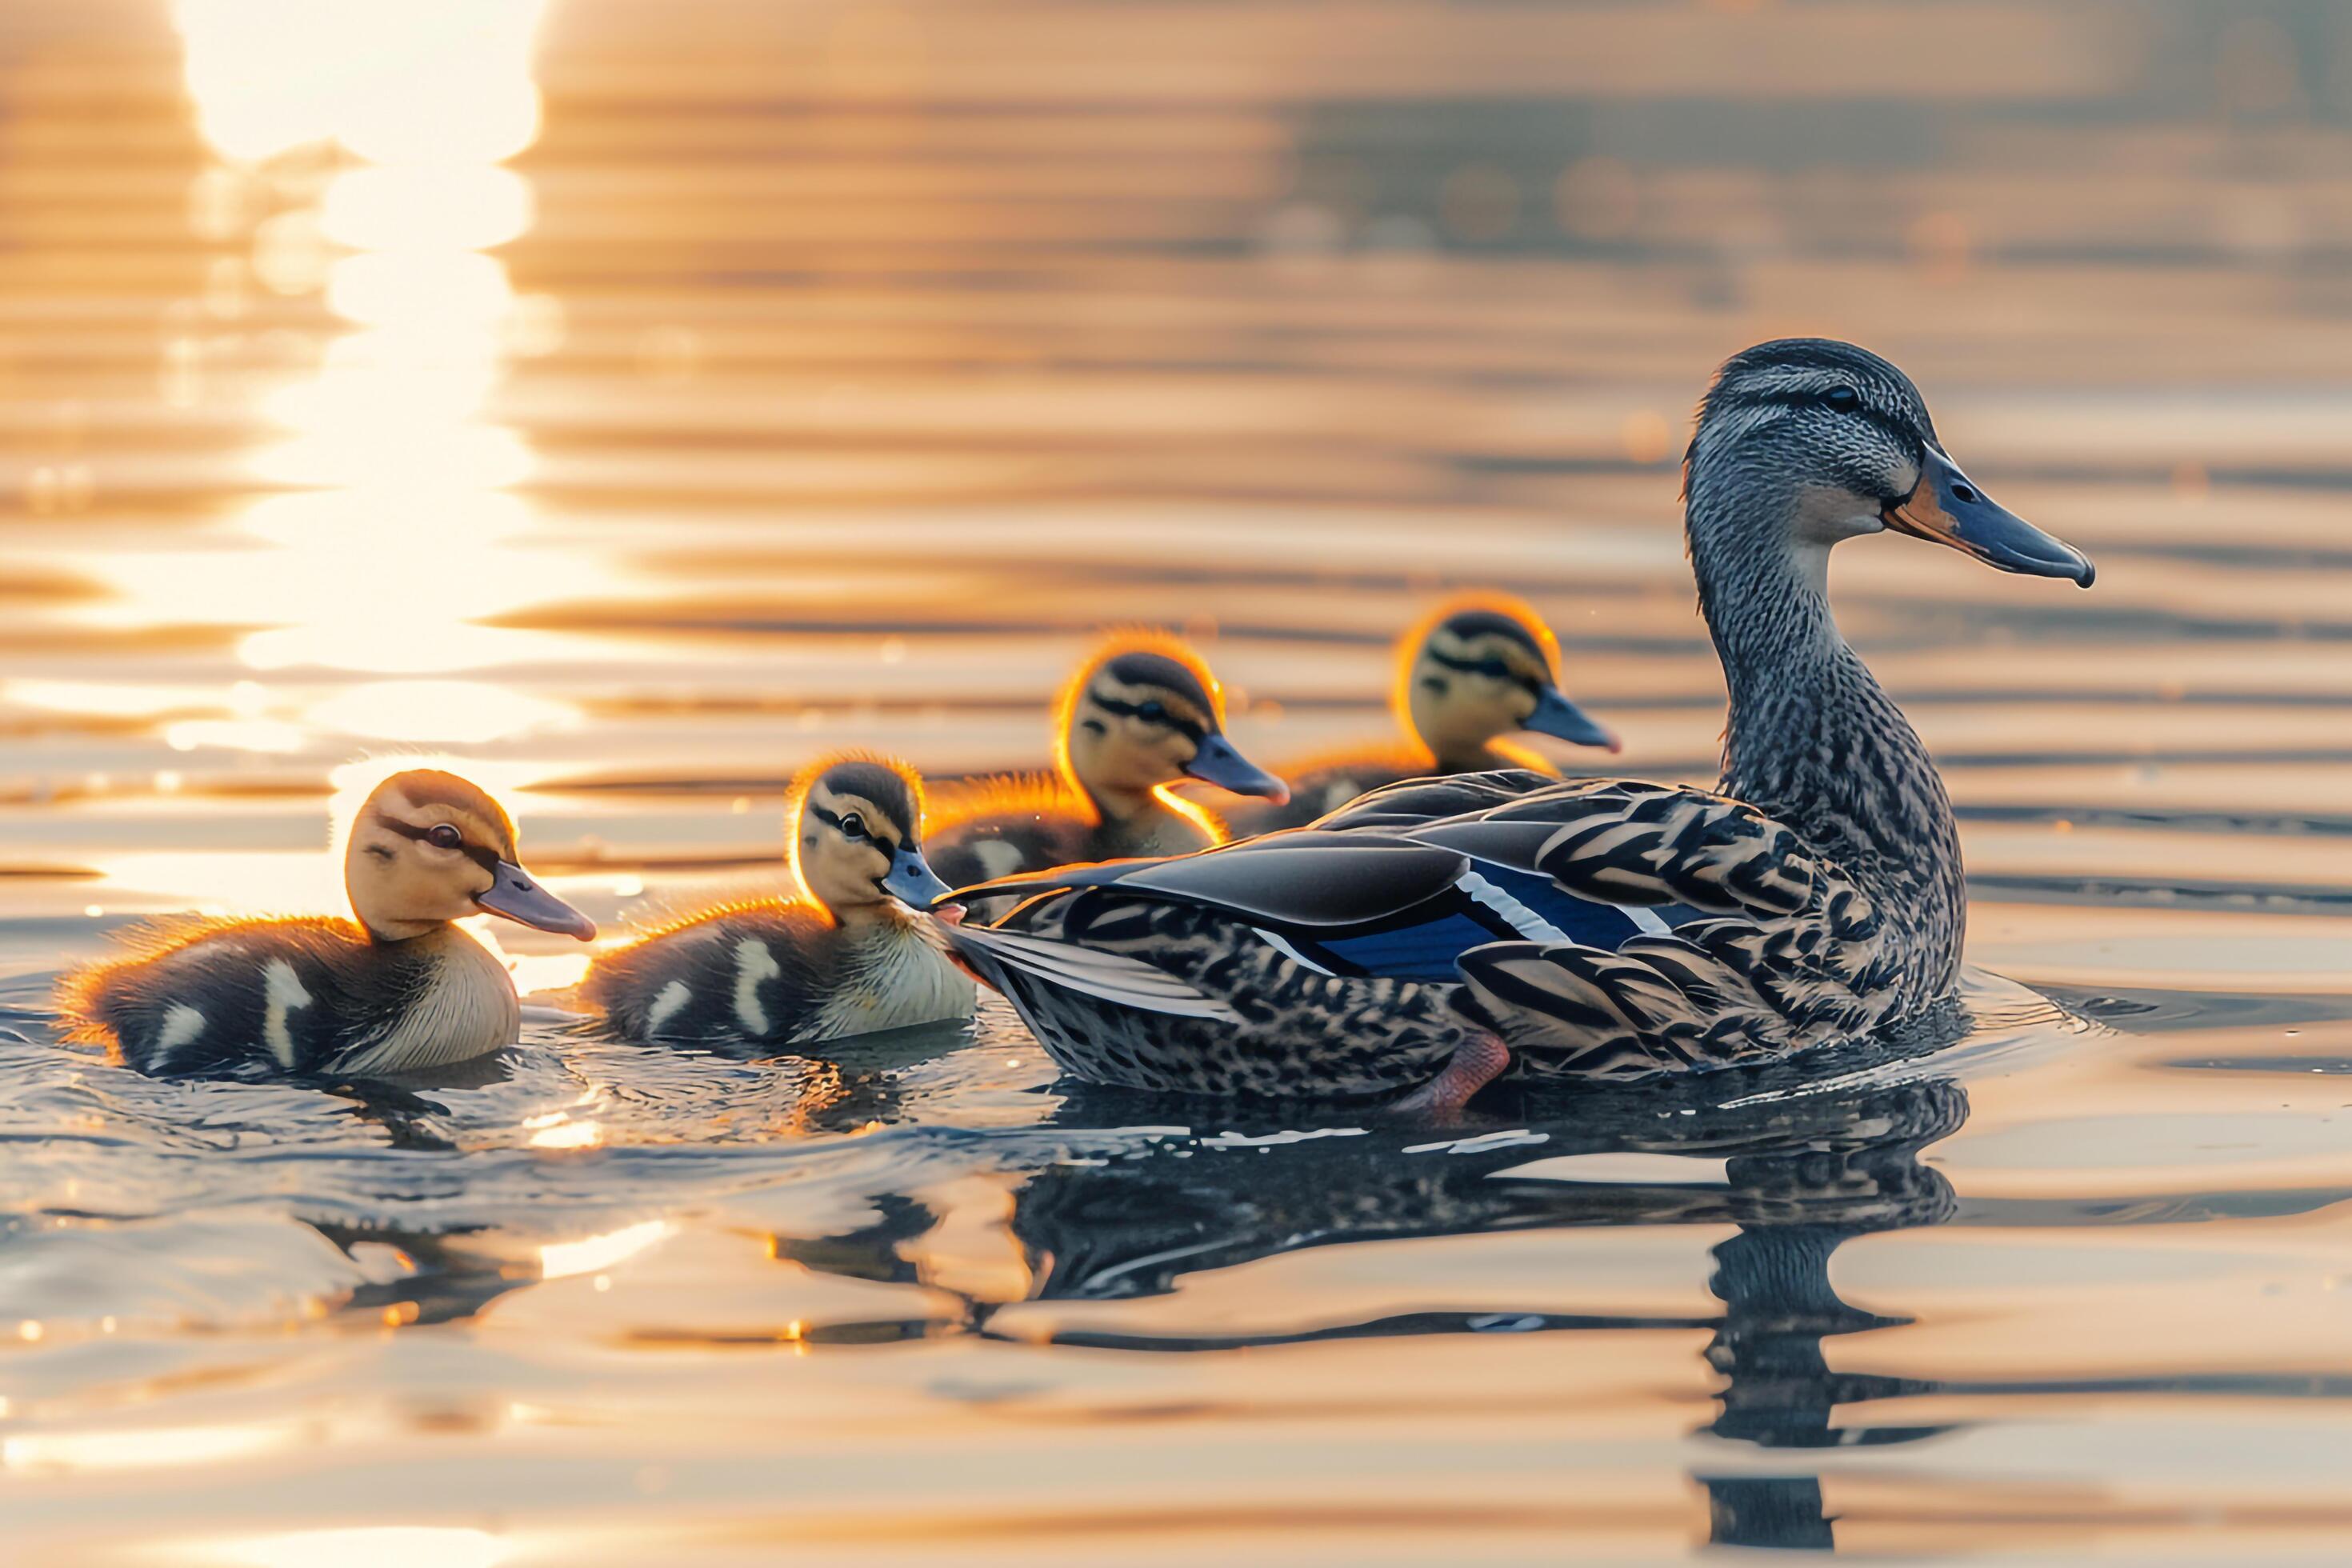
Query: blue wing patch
[[1495, 903], [1424, 951]]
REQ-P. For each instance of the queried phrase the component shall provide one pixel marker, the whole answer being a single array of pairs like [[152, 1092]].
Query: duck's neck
[[1118, 807], [868, 918], [1472, 757], [1813, 740]]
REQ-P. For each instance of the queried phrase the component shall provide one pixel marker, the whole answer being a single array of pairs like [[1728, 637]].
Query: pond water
[[640, 399]]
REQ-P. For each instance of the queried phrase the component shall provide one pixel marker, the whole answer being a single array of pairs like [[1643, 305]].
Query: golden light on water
[[374, 1546], [380, 132], [814, 380], [83, 1453], [594, 1254]]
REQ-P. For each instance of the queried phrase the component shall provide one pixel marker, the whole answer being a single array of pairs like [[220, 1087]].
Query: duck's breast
[[892, 978], [461, 1003]]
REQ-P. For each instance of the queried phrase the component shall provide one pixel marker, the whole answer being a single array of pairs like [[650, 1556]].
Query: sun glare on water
[[366, 143]]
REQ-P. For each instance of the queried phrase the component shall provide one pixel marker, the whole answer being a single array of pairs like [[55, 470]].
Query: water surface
[[632, 401]]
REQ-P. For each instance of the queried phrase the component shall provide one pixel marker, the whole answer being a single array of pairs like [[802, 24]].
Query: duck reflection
[[1802, 1173]]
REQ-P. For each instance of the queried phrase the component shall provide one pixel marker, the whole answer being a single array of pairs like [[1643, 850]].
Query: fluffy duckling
[[396, 990], [1139, 715], [1475, 670], [847, 957]]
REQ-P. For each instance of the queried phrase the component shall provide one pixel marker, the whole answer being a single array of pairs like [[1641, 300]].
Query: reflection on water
[[633, 400]]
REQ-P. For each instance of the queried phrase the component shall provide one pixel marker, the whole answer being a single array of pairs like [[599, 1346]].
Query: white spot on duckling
[[667, 1002], [753, 964], [281, 994], [998, 859], [182, 1024]]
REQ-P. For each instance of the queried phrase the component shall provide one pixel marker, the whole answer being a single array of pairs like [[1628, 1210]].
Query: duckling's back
[[774, 973], [289, 996], [1003, 828]]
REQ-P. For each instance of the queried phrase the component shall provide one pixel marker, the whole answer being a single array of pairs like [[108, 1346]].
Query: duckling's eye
[[1845, 399], [443, 837], [853, 826], [1153, 713], [1494, 669]]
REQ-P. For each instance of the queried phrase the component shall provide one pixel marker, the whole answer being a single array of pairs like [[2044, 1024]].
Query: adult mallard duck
[[1476, 670], [847, 957], [1139, 714], [396, 990], [1603, 928]]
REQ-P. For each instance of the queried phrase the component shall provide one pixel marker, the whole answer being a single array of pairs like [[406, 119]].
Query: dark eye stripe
[[487, 860], [1181, 725], [837, 823], [1479, 666]]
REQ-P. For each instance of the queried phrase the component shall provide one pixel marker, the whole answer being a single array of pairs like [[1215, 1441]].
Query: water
[[803, 376]]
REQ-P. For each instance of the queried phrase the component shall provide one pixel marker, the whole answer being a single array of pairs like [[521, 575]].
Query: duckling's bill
[[1946, 508], [1219, 762], [514, 895], [1555, 716], [911, 880]]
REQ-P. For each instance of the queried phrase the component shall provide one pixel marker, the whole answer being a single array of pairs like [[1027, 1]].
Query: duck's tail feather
[[1110, 976]]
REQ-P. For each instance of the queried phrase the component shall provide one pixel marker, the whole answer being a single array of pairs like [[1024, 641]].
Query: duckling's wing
[[979, 829], [746, 971], [198, 998]]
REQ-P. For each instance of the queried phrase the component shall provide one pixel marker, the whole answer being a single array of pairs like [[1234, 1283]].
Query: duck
[[848, 955], [1473, 670], [1141, 712], [1438, 932], [397, 988]]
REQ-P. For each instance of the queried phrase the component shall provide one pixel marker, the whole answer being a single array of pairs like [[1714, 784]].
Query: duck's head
[[1806, 442], [1142, 713], [1478, 669], [429, 848], [856, 837]]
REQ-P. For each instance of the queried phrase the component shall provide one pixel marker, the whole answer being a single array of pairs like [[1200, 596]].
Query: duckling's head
[[1478, 669], [429, 848], [1142, 713], [1805, 442], [856, 825]]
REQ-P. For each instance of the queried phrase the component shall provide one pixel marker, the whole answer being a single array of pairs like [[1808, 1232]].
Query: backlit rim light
[[1408, 652], [1135, 639]]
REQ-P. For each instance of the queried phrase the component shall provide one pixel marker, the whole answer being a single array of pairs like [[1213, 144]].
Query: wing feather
[[1108, 975]]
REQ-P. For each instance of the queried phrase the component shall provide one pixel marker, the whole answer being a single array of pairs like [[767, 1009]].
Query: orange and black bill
[[1947, 507]]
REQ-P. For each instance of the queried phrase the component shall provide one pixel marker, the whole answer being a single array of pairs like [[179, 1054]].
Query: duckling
[[844, 958], [1441, 931], [1142, 713], [396, 990], [1475, 669]]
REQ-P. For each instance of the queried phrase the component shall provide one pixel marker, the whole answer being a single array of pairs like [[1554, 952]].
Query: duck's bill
[[1946, 507], [1218, 764], [912, 882], [1563, 721], [519, 898]]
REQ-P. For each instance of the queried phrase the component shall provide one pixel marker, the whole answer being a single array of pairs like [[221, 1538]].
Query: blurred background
[[633, 398]]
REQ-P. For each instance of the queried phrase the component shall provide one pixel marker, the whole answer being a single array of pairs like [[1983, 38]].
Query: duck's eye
[[1153, 713], [441, 835], [1494, 669], [1845, 399], [853, 826]]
